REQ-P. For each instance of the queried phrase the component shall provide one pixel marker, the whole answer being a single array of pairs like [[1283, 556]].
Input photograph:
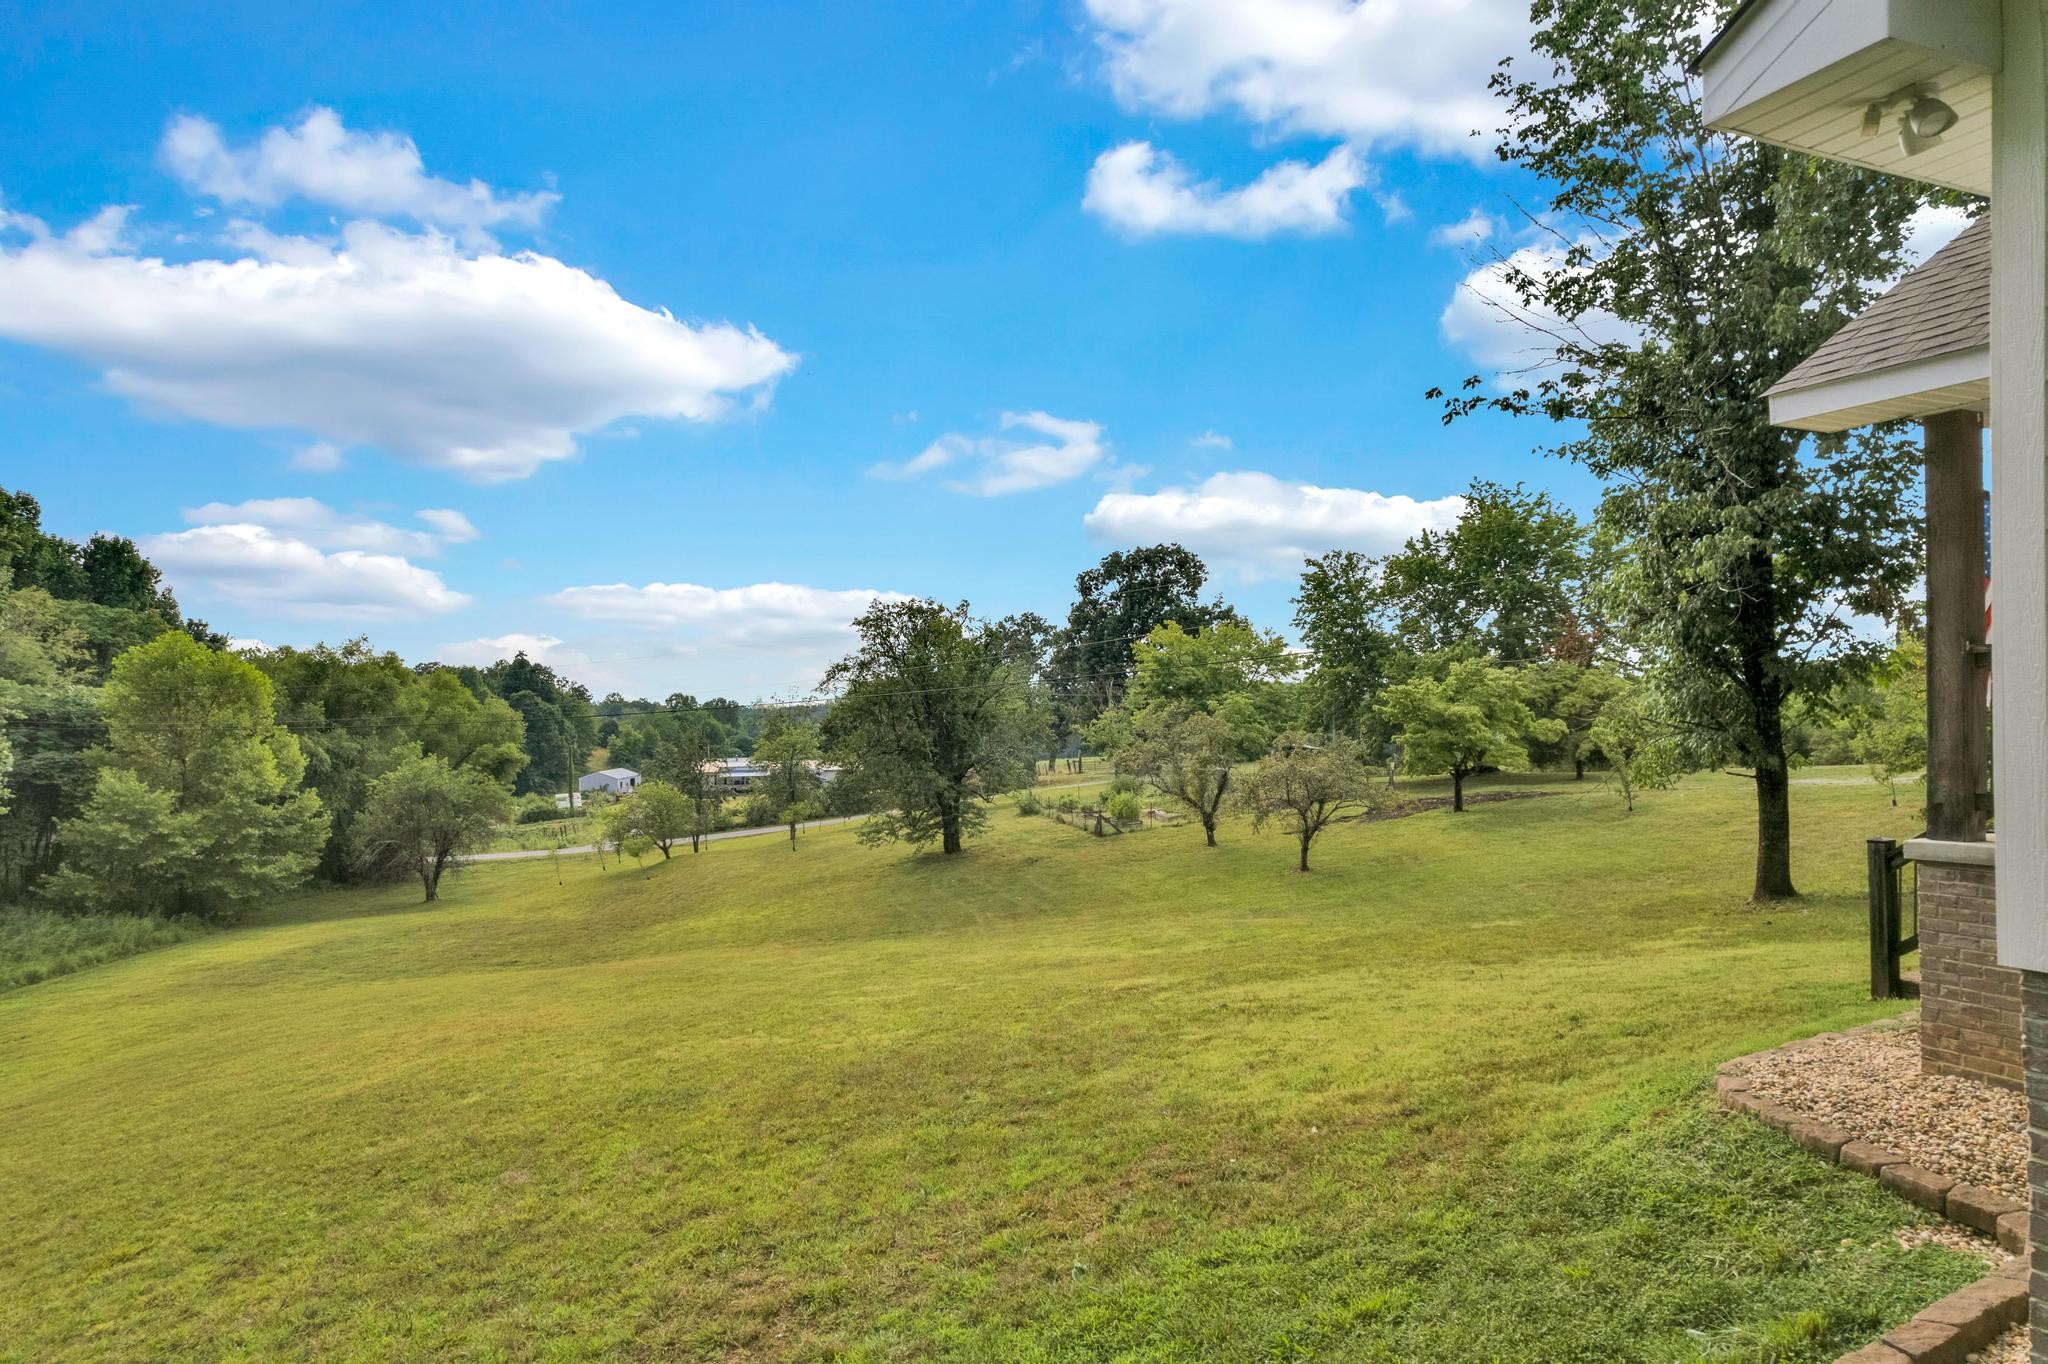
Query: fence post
[[1878, 861]]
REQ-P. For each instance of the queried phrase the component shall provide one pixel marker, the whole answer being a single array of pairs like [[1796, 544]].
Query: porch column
[[1958, 732], [2019, 566]]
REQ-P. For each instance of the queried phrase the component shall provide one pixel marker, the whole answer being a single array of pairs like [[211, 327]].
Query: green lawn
[[1065, 1099]]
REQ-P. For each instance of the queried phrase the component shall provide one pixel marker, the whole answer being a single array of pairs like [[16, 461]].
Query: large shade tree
[[1117, 603], [198, 808], [1682, 273], [931, 721]]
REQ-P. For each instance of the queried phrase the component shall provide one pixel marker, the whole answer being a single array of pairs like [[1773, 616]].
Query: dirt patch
[[1423, 804]]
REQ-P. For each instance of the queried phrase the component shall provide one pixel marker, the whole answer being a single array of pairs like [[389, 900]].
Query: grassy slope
[[1062, 1099]]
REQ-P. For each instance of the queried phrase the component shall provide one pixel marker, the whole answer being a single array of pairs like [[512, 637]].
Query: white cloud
[[1263, 526], [547, 649], [1474, 229], [1004, 464], [1932, 227], [317, 458], [1212, 440], [758, 640], [250, 566], [319, 525], [1487, 319], [1146, 192], [457, 358], [367, 174], [1373, 72]]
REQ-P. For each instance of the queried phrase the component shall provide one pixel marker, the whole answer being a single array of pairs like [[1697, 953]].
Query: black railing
[[1893, 910]]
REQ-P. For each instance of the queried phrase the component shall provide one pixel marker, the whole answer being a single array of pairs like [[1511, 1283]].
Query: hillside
[[1064, 1098]]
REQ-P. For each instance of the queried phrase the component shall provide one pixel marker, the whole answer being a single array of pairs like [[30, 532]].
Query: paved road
[[783, 829]]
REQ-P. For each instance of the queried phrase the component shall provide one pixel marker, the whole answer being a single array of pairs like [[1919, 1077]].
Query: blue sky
[[958, 297]]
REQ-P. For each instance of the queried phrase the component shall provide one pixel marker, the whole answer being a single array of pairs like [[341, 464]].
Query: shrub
[[1028, 804], [1124, 807], [539, 809], [1122, 786], [1069, 804]]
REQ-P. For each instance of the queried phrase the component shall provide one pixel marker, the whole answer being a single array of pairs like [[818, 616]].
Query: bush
[[1028, 804], [1069, 804], [539, 809], [1122, 786], [36, 944], [1124, 807]]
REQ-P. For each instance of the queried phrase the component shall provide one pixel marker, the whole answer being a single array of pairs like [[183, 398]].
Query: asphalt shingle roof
[[1941, 308]]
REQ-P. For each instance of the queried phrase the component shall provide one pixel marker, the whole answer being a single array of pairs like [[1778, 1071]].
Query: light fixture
[[1922, 124], [1929, 118]]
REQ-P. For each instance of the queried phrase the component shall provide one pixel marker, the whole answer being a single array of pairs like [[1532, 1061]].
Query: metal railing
[[1894, 919]]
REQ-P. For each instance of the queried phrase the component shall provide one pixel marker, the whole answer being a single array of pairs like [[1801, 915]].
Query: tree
[[1187, 754], [931, 720], [198, 809], [1475, 714], [685, 757], [1506, 577], [1571, 694], [788, 750], [1891, 728], [1637, 744], [1118, 602], [1687, 272], [1337, 615], [1308, 783], [663, 815], [424, 814]]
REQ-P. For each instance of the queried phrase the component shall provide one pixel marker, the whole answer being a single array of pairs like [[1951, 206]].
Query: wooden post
[[1878, 870], [1958, 728]]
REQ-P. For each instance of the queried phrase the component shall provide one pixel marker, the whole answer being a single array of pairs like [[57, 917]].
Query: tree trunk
[[1305, 837], [1774, 828], [1578, 769], [792, 837], [1457, 791], [1209, 829], [949, 832], [664, 851]]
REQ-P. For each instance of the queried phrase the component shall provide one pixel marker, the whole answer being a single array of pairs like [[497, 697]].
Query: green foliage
[[539, 809], [1188, 755], [106, 572], [657, 812], [1308, 783], [1337, 614], [40, 944], [1891, 728], [424, 814], [1121, 600], [1509, 578], [931, 722], [788, 749], [1123, 807], [198, 808], [560, 726], [1638, 742], [1474, 714], [1029, 804], [1742, 561], [1572, 695]]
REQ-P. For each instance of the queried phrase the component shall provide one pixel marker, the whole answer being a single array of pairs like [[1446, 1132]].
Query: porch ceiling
[[1801, 73]]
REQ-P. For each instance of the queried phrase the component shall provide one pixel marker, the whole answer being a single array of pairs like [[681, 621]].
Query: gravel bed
[[2010, 1348], [1869, 1084]]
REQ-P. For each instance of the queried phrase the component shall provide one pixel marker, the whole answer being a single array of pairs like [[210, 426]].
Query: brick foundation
[[1969, 1004]]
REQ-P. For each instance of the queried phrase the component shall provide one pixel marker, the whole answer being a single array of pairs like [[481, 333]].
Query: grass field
[[1064, 1098], [575, 832]]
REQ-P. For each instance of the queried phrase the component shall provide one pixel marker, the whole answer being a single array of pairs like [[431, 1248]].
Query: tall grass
[[36, 944]]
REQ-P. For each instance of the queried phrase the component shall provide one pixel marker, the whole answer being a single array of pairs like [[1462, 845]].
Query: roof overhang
[[1802, 73], [1944, 383]]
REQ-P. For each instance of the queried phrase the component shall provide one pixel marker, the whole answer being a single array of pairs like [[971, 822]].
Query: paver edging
[[1966, 1320]]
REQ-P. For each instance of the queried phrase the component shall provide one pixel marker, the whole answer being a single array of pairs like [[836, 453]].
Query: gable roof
[[1924, 347], [615, 772]]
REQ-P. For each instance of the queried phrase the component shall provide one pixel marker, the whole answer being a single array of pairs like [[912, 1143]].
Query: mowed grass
[[1064, 1098]]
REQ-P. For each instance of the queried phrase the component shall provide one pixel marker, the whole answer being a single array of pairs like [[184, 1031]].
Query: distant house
[[618, 781], [736, 776]]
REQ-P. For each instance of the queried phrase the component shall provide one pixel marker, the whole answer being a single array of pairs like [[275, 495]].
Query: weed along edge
[[1964, 1322]]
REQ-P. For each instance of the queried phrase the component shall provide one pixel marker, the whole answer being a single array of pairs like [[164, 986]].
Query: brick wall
[[1969, 1004]]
